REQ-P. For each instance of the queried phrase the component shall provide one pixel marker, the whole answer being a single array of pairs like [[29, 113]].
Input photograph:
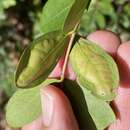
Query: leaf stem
[[68, 52]]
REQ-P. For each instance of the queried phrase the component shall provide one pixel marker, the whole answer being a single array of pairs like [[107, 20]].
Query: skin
[[107, 40], [62, 117]]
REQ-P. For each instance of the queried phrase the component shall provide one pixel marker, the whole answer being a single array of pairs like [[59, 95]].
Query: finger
[[35, 125], [63, 119], [123, 61], [106, 39], [57, 70], [57, 111], [121, 105], [69, 73]]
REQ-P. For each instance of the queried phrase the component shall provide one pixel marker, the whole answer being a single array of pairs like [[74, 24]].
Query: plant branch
[[68, 52]]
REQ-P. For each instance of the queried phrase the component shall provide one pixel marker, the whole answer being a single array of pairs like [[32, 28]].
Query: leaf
[[79, 105], [6, 4], [39, 59], [54, 14], [25, 105], [99, 110], [58, 13], [100, 20], [75, 14], [91, 112], [104, 6], [87, 23], [126, 9], [95, 69]]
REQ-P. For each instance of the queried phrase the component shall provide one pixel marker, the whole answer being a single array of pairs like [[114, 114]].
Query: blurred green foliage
[[19, 23], [98, 13], [6, 73], [113, 15], [6, 66], [4, 4]]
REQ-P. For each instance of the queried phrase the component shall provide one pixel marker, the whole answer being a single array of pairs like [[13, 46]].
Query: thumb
[[57, 111]]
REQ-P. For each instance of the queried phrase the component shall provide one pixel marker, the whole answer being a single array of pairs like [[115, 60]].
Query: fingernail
[[47, 108]]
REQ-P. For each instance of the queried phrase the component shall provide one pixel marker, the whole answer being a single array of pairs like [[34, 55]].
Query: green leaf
[[4, 4], [91, 112], [39, 59], [95, 69], [104, 6], [100, 111], [126, 9], [100, 20], [54, 14], [87, 23], [62, 14], [79, 105], [75, 14], [25, 105]]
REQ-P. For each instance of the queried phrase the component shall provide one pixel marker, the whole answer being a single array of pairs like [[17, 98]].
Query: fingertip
[[69, 72], [123, 61], [121, 106], [35, 125], [53, 91], [108, 40], [124, 50], [57, 111], [58, 68]]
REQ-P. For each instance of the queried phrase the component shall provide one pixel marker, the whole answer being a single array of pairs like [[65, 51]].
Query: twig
[[68, 52]]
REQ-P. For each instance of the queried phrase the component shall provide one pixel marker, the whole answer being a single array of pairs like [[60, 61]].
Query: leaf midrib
[[45, 60]]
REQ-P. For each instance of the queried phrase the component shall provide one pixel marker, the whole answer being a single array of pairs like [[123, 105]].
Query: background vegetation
[[21, 21]]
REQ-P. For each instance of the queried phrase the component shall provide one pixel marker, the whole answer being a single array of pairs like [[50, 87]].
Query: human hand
[[57, 111], [121, 54]]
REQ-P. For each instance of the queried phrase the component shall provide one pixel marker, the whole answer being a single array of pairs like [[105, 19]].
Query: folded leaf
[[95, 69], [92, 113], [25, 105], [75, 14], [39, 59], [79, 105], [62, 14]]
